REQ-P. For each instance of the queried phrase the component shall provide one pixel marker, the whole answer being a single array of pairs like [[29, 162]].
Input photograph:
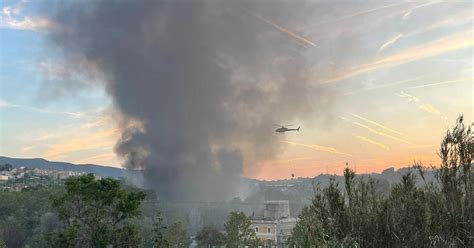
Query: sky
[[401, 73]]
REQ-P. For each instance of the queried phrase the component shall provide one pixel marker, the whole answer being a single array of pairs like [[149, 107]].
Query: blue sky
[[35, 116], [398, 92]]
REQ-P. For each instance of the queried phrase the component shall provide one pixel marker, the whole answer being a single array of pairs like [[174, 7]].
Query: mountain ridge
[[390, 174], [41, 163]]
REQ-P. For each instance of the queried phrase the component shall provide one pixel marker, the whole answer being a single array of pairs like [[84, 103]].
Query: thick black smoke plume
[[198, 84]]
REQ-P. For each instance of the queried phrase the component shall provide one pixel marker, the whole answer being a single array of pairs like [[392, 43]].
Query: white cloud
[[12, 18]]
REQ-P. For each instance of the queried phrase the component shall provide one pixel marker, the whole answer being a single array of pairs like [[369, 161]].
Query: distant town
[[24, 178]]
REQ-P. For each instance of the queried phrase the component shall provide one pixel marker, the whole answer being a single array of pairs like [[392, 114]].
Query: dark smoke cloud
[[198, 84]]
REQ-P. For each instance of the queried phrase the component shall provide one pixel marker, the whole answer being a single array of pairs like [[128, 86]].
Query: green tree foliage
[[457, 181], [308, 231], [172, 236], [176, 235], [158, 237], [238, 231], [95, 213], [210, 237], [437, 214], [22, 215]]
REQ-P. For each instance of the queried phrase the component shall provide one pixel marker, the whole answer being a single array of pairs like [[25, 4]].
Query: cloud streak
[[360, 13], [382, 133], [373, 142], [390, 42], [410, 11], [440, 83], [410, 98], [6, 104], [103, 139], [379, 125], [429, 108], [451, 43], [11, 19], [283, 30], [317, 148], [385, 85]]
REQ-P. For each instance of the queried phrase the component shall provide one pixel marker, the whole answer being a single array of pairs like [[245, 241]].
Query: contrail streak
[[318, 148], [291, 160], [429, 108], [385, 85], [284, 30], [382, 133], [440, 83], [378, 125], [298, 159], [4, 104], [410, 98], [373, 142], [450, 22], [451, 43], [353, 15], [390, 42], [408, 13]]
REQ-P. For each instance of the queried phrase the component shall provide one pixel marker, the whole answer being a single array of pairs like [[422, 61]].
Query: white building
[[275, 225]]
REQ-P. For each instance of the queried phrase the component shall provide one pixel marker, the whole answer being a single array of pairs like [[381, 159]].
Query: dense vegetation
[[438, 214], [93, 213], [100, 213], [85, 212], [25, 216]]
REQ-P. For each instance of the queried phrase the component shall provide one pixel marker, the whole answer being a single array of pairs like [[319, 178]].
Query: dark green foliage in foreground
[[117, 213], [158, 236], [238, 231], [210, 237], [438, 214], [25, 216], [95, 213], [174, 235]]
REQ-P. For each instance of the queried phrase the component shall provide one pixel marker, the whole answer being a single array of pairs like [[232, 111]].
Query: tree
[[238, 231], [158, 239], [210, 237], [456, 179], [437, 214], [95, 213], [21, 212], [406, 214], [172, 236], [308, 231], [177, 236]]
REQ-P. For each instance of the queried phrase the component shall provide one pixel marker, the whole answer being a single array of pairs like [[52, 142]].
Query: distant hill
[[390, 175], [40, 163]]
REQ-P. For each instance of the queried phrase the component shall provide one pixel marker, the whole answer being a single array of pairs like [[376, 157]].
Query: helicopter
[[284, 129]]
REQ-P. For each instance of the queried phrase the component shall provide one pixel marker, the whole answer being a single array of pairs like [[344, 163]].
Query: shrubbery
[[438, 214]]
